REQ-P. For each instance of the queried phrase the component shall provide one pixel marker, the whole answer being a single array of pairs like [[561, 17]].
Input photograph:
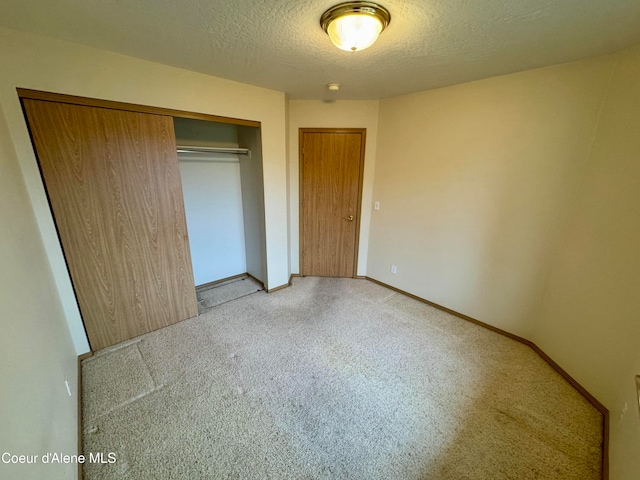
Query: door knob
[[350, 218]]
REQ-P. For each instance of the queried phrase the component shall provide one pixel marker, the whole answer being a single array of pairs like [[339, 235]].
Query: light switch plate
[[376, 206]]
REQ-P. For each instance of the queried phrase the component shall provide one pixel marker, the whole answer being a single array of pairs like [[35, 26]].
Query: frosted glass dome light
[[354, 26]]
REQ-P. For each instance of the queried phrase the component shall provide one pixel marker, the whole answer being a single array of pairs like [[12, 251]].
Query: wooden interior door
[[331, 185], [113, 184]]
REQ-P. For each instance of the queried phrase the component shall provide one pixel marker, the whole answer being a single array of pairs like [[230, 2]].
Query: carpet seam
[[146, 366], [129, 401]]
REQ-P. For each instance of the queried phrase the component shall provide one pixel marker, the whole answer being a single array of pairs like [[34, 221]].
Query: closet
[[221, 172], [113, 181]]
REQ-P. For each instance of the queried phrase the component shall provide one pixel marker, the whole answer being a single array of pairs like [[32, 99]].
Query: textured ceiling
[[279, 44]]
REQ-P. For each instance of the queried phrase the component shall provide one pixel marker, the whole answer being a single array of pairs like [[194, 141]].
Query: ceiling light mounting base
[[346, 8]]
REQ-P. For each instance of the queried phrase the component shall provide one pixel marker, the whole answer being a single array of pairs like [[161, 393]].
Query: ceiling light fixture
[[354, 26]]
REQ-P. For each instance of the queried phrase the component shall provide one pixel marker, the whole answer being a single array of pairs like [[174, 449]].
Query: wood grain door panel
[[331, 184], [114, 187]]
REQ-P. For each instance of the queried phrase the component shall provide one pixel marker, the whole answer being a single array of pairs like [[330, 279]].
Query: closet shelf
[[230, 150]]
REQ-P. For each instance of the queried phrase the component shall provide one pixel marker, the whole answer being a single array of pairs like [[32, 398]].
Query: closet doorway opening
[[222, 183]]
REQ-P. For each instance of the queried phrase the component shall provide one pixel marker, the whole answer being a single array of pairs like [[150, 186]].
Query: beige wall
[[36, 352], [476, 180], [515, 200], [339, 114], [589, 320], [41, 63]]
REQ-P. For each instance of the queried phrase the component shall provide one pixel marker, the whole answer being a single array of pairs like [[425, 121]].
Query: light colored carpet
[[333, 379], [225, 292]]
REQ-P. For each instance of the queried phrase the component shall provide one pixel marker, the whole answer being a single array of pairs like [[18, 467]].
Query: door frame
[[363, 142], [129, 107]]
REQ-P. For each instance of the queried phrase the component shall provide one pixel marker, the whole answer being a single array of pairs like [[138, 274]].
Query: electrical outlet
[[394, 269], [376, 206]]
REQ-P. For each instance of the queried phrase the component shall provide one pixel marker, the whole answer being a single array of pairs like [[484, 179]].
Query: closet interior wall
[[223, 198], [252, 179]]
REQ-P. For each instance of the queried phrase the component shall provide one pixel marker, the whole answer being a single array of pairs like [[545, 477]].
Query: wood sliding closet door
[[114, 187]]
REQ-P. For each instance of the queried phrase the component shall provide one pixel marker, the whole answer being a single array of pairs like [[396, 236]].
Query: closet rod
[[235, 151]]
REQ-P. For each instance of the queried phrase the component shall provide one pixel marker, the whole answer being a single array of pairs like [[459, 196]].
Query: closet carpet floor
[[333, 379], [225, 292]]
